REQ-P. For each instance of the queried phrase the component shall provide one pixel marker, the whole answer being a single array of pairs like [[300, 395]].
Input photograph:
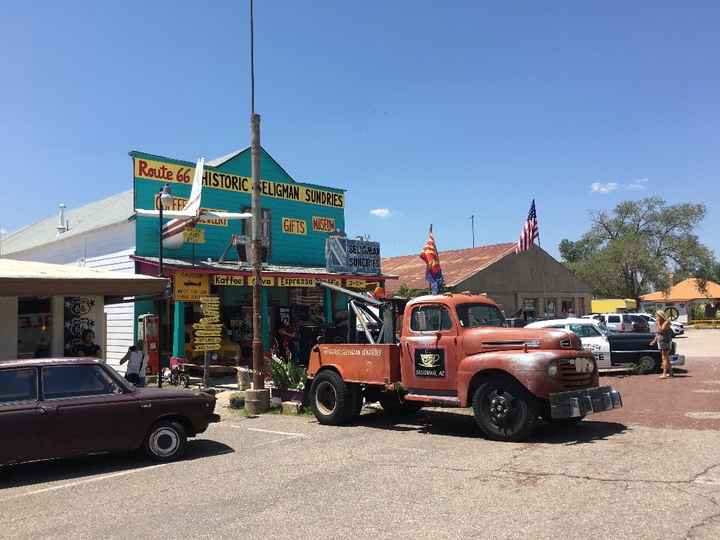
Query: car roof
[[35, 362], [569, 320]]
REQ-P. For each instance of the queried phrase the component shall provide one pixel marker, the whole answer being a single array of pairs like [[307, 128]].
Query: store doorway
[[34, 327]]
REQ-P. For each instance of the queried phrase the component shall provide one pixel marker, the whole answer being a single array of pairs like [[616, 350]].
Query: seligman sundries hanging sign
[[163, 171]]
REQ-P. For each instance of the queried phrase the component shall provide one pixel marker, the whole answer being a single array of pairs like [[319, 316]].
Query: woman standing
[[663, 339]]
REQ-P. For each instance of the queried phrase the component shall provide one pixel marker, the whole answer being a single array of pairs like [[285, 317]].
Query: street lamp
[[164, 198]]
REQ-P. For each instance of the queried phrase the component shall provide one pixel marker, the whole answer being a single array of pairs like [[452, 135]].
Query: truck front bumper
[[583, 402]]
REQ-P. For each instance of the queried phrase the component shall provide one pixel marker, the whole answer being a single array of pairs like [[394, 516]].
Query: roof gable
[[457, 265], [684, 291], [95, 215]]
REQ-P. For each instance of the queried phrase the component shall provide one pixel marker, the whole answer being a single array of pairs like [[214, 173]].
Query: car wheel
[[646, 364], [166, 441], [504, 410], [330, 398]]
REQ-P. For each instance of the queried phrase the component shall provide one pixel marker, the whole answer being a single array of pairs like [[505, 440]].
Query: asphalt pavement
[[622, 474]]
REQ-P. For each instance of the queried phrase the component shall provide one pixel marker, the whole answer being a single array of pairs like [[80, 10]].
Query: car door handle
[[146, 405], [42, 410]]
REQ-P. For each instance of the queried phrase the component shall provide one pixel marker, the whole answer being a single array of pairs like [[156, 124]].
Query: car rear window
[[430, 319], [75, 381], [18, 385], [613, 318]]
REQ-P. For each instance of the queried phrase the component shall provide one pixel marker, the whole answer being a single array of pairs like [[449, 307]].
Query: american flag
[[530, 231], [433, 272]]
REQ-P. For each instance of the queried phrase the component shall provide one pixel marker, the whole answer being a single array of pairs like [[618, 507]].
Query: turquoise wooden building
[[297, 219]]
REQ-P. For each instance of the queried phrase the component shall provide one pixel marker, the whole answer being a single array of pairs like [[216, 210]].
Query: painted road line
[[82, 482], [704, 415], [277, 432]]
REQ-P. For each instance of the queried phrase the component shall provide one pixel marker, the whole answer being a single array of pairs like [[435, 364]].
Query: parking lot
[[650, 470]]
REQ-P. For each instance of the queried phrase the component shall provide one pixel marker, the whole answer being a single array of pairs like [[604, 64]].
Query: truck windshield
[[474, 315]]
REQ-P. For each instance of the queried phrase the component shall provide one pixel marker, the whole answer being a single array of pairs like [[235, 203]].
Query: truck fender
[[519, 365]]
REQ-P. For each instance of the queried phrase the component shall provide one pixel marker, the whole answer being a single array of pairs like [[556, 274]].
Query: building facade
[[297, 220], [528, 284]]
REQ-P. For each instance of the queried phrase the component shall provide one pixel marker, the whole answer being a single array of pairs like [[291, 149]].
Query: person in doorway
[[663, 340], [316, 316], [87, 345], [136, 364], [287, 336]]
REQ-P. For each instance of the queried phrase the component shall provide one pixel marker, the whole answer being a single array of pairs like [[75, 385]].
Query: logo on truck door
[[430, 362]]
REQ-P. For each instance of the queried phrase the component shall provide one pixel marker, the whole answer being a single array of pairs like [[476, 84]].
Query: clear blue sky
[[433, 110]]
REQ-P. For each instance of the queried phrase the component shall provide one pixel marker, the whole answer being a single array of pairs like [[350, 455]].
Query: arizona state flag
[[433, 272]]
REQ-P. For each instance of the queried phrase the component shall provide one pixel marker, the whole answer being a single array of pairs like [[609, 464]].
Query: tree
[[641, 246]]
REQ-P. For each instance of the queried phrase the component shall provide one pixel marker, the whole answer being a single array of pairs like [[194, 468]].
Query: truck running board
[[433, 401]]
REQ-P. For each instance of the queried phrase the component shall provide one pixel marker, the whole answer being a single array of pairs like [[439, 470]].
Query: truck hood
[[479, 340]]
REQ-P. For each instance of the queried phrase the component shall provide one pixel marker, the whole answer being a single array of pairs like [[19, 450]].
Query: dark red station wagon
[[55, 408]]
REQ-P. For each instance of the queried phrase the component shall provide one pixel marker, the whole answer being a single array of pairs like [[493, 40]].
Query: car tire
[[504, 410], [330, 399], [646, 364], [393, 404], [166, 441]]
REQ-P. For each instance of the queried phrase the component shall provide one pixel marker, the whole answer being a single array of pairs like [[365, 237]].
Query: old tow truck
[[452, 350]]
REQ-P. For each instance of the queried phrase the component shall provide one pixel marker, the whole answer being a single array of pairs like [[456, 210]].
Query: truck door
[[429, 363]]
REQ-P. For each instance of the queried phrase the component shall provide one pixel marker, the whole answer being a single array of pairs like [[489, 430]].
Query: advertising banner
[[190, 287], [350, 256]]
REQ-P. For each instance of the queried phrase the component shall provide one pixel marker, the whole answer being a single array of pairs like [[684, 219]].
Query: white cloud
[[604, 187], [640, 183], [608, 187], [381, 212]]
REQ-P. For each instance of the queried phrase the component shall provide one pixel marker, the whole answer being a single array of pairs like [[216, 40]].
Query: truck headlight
[[552, 369]]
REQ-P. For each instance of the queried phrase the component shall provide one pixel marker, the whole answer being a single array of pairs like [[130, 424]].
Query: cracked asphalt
[[622, 474]]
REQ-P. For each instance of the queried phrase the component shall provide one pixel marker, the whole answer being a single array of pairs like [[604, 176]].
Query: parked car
[[623, 322], [591, 335], [56, 408], [633, 349], [677, 328]]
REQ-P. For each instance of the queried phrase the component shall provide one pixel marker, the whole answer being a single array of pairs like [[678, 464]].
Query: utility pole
[[472, 226], [257, 400]]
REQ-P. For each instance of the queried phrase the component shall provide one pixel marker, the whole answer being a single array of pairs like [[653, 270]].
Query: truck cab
[[453, 350]]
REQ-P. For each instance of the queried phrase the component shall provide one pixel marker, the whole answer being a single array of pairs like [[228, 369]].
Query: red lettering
[[142, 165]]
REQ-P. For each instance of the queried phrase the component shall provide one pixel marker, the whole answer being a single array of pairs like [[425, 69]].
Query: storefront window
[[568, 305]]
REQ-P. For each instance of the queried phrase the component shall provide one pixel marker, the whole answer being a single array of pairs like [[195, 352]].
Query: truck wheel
[[330, 398], [504, 410], [166, 441], [393, 404], [646, 364]]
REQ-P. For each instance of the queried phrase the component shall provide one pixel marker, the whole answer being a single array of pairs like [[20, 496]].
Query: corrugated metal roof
[[457, 265], [98, 214], [683, 292]]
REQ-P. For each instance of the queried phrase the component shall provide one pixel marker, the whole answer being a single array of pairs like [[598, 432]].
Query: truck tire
[[504, 410], [393, 404], [330, 398], [646, 364], [166, 441]]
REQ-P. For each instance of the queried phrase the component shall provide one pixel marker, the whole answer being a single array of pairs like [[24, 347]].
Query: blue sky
[[434, 111]]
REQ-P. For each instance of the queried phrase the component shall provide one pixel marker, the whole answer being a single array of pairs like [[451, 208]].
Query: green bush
[[287, 375]]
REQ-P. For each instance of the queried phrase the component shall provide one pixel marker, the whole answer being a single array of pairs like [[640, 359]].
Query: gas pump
[[148, 334]]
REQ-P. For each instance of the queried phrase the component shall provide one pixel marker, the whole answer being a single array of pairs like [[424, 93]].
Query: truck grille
[[571, 378]]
